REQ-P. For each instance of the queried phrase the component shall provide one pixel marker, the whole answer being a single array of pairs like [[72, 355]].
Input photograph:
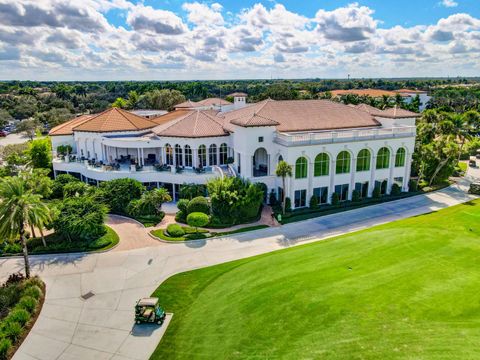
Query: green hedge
[[20, 303]]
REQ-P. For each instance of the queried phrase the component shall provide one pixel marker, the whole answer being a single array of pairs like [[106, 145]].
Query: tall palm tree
[[20, 208], [283, 170]]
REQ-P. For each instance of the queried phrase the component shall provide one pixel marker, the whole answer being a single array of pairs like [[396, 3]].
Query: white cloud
[[205, 41], [449, 3]]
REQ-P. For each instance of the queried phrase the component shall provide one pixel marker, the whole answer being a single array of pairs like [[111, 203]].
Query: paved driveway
[[101, 326]]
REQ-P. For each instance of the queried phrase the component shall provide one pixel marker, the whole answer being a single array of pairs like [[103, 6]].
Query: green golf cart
[[148, 310]]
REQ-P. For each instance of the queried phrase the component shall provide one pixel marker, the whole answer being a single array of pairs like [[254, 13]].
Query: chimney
[[239, 100]]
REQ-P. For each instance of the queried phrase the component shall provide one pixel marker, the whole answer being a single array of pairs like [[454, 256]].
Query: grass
[[403, 290], [162, 234], [58, 244]]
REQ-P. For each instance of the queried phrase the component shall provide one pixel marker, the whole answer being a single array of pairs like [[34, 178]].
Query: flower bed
[[22, 300], [191, 234]]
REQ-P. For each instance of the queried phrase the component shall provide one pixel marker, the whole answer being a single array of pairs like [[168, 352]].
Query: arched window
[[343, 163], [188, 155], [178, 155], [202, 155], [280, 158], [301, 168], [363, 160], [168, 154], [223, 154], [383, 158], [212, 154], [400, 157], [321, 165]]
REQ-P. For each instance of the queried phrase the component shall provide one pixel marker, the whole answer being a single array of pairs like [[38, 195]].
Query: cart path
[[102, 326]]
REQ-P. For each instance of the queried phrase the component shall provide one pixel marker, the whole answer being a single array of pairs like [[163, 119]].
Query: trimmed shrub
[[181, 216], [288, 204], [19, 315], [198, 204], [356, 196], [195, 236], [34, 291], [28, 303], [118, 193], [412, 185], [59, 183], [264, 188], [33, 281], [313, 202], [396, 190], [335, 198], [197, 219], [11, 329], [182, 205], [175, 230], [5, 345], [377, 192]]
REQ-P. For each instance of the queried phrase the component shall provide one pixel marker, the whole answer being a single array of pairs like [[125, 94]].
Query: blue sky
[[195, 39]]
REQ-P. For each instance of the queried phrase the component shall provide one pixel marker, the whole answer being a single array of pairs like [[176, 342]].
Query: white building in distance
[[332, 147]]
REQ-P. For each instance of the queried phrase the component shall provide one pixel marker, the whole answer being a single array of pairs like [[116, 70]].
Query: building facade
[[331, 147]]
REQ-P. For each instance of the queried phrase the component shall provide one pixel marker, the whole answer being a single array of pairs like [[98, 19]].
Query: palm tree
[[20, 208], [283, 170]]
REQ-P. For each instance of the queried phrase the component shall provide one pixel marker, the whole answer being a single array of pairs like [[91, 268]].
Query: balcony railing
[[328, 137]]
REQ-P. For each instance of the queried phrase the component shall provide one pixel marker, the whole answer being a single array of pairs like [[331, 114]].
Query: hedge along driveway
[[101, 326]]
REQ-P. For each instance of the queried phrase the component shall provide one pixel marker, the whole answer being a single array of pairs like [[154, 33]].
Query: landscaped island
[[408, 289]]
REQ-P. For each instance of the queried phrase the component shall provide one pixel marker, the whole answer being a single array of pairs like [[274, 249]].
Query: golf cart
[[472, 163], [148, 310]]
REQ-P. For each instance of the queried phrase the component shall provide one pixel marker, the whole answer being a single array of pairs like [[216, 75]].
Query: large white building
[[332, 147]]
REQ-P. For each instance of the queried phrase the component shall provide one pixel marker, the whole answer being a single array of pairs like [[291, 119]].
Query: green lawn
[[405, 290]]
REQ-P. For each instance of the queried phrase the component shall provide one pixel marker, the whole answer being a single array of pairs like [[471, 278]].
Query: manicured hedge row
[[16, 318]]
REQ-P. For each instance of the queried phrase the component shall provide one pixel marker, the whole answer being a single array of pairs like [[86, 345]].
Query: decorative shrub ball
[[175, 230], [197, 219], [198, 204]]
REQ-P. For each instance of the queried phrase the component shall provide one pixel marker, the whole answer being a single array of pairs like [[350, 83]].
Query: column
[[142, 159], [195, 157], [218, 155], [373, 166], [390, 175], [353, 170], [408, 168], [331, 188], [138, 156], [310, 183]]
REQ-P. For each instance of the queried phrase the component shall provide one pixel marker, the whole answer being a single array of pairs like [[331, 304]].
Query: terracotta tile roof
[[186, 105], [398, 113], [67, 127], [375, 93], [238, 94], [213, 102], [394, 113], [410, 91], [301, 115], [192, 124], [115, 119], [173, 115]]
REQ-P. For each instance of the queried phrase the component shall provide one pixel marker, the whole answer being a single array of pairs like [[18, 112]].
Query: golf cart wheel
[[138, 321], [160, 322]]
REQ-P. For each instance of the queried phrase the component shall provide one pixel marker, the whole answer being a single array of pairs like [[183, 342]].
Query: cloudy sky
[[174, 39]]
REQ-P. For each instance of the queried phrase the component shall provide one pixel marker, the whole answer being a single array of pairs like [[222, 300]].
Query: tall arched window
[[383, 158], [400, 157], [363, 160], [343, 163], [223, 154], [168, 154], [321, 165], [178, 155], [212, 154], [202, 155], [188, 155], [301, 168]]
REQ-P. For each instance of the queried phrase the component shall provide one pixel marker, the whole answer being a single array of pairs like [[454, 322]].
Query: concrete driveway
[[88, 312]]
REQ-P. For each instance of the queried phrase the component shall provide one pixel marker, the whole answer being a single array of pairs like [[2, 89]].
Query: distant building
[[148, 114], [332, 147]]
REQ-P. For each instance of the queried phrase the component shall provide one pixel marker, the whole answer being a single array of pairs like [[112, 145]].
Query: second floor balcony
[[328, 137]]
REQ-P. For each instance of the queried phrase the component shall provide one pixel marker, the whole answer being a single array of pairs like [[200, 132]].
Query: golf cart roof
[[148, 301]]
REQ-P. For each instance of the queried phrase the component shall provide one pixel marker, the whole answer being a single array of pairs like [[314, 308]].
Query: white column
[[195, 158], [310, 183], [373, 166], [138, 156], [331, 188], [353, 170], [408, 168], [390, 175]]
